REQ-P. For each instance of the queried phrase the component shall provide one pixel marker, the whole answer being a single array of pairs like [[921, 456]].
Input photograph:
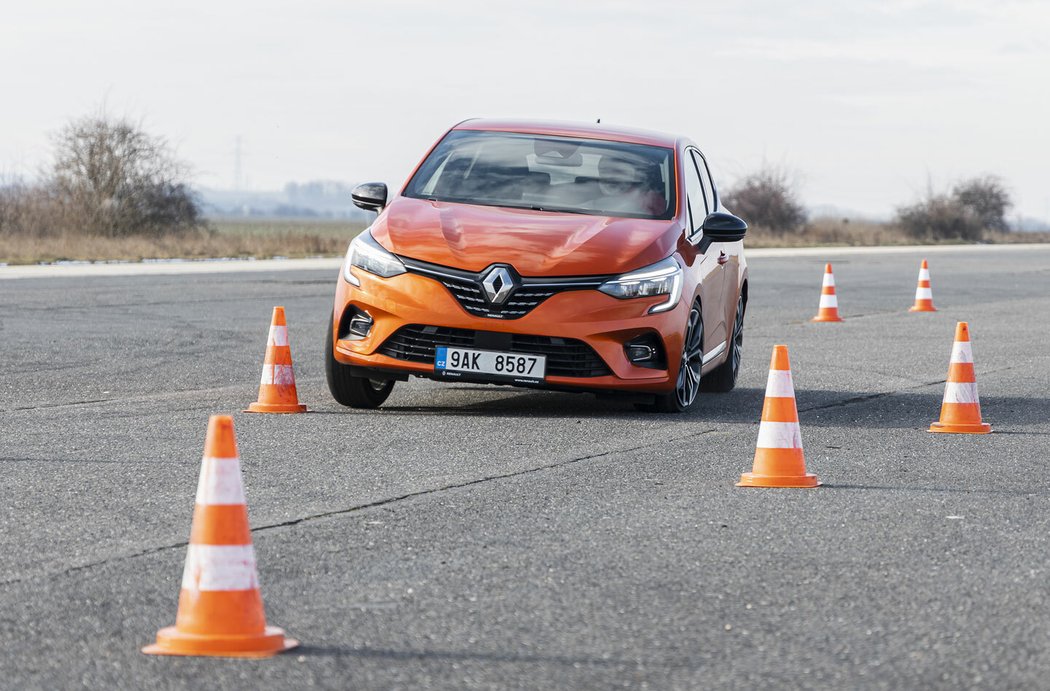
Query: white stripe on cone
[[924, 274], [962, 352], [829, 280], [923, 294], [829, 301], [779, 384], [220, 482], [280, 375], [220, 567], [779, 435], [278, 335], [960, 392]]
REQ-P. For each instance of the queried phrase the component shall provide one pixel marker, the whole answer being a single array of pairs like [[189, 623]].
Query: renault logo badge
[[498, 284]]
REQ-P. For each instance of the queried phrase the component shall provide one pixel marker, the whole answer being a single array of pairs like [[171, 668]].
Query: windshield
[[562, 174]]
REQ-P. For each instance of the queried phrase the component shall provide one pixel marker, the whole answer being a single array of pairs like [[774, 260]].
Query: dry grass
[[1000, 238], [829, 232], [260, 239], [343, 230]]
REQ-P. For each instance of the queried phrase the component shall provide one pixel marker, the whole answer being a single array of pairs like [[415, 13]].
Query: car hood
[[535, 243]]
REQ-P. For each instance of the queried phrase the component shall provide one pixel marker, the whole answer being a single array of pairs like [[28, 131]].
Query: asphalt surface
[[482, 537]]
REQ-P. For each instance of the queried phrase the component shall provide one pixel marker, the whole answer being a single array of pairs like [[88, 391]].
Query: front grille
[[472, 299], [566, 357], [465, 286]]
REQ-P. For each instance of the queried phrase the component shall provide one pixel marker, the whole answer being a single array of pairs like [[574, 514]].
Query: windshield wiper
[[557, 210]]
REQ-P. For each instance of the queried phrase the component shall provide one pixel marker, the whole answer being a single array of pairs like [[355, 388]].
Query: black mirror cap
[[723, 227], [370, 196]]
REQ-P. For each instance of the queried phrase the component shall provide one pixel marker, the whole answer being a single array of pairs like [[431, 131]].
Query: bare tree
[[116, 179], [767, 198]]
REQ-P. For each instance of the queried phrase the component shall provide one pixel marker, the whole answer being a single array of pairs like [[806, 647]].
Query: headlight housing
[[662, 278], [365, 253]]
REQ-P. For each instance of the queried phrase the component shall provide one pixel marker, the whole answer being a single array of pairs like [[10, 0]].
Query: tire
[[687, 385], [351, 391], [722, 379]]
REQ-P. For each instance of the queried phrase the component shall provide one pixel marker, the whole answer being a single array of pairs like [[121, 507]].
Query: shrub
[[973, 208], [767, 198], [939, 217]]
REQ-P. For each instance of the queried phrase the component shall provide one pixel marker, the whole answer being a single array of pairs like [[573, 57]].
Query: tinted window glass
[[694, 193], [705, 179], [558, 174]]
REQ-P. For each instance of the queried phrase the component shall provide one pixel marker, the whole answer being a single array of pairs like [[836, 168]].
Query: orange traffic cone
[[779, 461], [220, 607], [923, 293], [961, 409], [277, 387], [829, 302]]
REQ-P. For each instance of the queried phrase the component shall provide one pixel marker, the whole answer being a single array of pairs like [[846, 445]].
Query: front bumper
[[600, 321]]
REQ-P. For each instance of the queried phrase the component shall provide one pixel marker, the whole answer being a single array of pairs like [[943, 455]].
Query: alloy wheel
[[738, 336], [688, 383]]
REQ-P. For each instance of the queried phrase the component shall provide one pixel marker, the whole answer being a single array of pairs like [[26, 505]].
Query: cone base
[[171, 641], [919, 308], [275, 408], [819, 318], [961, 428], [755, 480]]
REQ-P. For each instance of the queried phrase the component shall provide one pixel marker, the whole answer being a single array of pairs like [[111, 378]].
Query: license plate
[[456, 362]]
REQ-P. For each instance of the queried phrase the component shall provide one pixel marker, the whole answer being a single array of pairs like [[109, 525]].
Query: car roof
[[571, 129]]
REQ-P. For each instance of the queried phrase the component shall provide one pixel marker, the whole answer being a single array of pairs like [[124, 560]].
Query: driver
[[629, 187]]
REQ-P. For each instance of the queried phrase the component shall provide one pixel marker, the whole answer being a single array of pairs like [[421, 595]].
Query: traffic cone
[[779, 461], [923, 293], [220, 606], [277, 386], [961, 409], [829, 302]]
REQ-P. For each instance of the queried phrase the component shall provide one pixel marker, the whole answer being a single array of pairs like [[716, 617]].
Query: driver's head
[[618, 175]]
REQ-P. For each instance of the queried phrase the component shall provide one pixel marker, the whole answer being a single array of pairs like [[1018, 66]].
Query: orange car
[[549, 255]]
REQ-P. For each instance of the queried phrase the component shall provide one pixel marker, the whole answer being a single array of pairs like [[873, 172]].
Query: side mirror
[[721, 227], [370, 196]]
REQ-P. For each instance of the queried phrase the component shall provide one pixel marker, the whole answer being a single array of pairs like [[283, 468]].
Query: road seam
[[365, 507]]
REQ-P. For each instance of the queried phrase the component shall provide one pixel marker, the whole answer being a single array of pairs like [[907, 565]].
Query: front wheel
[[687, 385], [349, 390]]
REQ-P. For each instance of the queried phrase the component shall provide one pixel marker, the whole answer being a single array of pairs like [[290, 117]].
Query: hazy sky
[[868, 101]]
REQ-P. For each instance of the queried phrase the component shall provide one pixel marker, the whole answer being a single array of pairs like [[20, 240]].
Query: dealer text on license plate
[[455, 362]]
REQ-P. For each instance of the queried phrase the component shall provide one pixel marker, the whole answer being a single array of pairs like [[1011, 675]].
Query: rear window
[[557, 174]]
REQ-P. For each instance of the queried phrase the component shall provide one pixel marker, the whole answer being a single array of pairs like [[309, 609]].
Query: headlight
[[661, 278], [365, 253]]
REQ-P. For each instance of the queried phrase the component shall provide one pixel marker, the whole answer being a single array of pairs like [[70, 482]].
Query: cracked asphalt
[[481, 537]]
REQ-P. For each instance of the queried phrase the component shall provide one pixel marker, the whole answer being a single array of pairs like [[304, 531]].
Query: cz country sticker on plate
[[457, 362]]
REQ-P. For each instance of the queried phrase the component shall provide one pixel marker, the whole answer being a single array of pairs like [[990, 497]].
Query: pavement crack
[[102, 562], [470, 483], [42, 406], [883, 394], [363, 507], [868, 397]]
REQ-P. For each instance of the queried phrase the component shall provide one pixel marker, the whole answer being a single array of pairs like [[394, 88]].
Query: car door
[[712, 274], [728, 253]]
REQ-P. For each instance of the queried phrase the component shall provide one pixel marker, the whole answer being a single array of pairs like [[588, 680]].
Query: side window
[[694, 195], [705, 179]]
